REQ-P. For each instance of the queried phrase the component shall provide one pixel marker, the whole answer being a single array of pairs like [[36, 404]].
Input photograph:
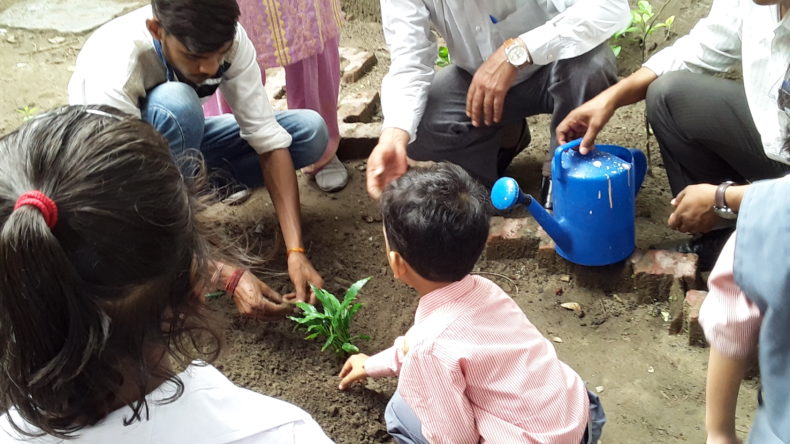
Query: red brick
[[358, 139], [654, 272], [511, 238], [691, 307], [357, 63], [359, 107]]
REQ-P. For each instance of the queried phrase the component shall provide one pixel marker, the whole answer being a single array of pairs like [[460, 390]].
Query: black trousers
[[705, 131]]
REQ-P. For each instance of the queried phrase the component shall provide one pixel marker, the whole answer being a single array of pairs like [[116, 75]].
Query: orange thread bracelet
[[294, 250]]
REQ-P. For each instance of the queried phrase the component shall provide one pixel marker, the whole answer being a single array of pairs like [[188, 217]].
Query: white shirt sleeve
[[297, 432], [713, 45], [243, 89], [581, 27], [412, 46]]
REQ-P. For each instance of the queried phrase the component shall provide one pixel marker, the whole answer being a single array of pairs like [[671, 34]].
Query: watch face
[[516, 54]]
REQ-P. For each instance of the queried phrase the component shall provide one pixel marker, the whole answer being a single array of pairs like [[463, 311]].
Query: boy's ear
[[155, 28], [397, 264]]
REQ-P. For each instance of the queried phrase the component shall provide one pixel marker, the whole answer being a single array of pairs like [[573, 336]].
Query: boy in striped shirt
[[472, 368]]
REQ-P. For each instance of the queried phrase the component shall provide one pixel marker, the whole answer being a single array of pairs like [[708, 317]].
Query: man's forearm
[[280, 179], [630, 90]]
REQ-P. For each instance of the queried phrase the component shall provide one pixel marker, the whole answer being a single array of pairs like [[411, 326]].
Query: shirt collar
[[443, 296]]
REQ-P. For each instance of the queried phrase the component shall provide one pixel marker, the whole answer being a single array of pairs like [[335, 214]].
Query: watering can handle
[[557, 171]]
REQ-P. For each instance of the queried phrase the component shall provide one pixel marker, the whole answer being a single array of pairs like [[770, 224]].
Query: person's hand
[[694, 209], [387, 161], [490, 84], [722, 439], [255, 299], [353, 370], [302, 273], [585, 121]]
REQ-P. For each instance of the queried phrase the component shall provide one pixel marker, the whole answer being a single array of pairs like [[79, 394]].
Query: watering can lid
[[599, 162]]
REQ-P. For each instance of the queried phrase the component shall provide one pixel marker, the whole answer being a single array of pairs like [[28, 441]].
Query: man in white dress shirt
[[511, 59], [712, 132]]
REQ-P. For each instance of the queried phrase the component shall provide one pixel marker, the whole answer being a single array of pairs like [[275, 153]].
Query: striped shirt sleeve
[[731, 321], [386, 362]]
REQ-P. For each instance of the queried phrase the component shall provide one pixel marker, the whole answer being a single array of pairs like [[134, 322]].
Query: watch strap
[[719, 200]]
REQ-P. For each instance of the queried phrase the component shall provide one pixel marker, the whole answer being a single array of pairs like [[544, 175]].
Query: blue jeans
[[175, 110], [404, 426]]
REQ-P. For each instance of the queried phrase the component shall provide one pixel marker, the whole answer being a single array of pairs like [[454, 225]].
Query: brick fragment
[[358, 139], [356, 63], [359, 107], [511, 238], [655, 271], [691, 307]]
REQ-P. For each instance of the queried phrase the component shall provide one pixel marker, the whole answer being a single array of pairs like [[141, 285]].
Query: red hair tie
[[42, 202]]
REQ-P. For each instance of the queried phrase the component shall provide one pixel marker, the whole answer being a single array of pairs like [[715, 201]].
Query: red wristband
[[233, 282]]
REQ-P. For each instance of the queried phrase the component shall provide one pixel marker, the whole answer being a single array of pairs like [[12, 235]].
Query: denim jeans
[[404, 426], [175, 110]]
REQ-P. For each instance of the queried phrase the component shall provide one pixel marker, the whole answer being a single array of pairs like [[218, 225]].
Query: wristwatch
[[517, 53], [720, 205]]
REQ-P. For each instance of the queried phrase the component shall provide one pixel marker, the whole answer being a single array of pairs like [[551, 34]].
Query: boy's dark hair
[[84, 304], [200, 25], [437, 218]]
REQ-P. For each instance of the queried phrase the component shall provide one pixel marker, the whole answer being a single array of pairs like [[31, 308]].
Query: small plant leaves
[[332, 320]]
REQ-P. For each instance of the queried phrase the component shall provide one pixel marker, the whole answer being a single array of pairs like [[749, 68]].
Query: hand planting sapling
[[333, 320]]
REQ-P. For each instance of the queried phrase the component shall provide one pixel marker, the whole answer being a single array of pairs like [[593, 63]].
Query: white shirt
[[552, 30], [212, 410], [118, 65], [739, 31]]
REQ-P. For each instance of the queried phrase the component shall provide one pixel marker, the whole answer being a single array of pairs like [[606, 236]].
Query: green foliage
[[27, 112], [644, 23], [443, 57], [333, 321]]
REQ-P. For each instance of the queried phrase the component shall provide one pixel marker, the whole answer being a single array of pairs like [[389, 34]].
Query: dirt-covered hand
[[586, 121], [694, 209], [490, 84], [387, 161], [255, 299], [353, 370], [302, 273]]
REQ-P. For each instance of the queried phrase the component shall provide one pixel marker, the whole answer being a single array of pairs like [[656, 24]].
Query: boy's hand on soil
[[353, 370], [694, 209], [387, 161], [255, 299], [301, 272], [490, 84], [585, 121]]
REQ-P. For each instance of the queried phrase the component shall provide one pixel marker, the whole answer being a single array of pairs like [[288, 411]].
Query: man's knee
[[311, 136], [664, 88]]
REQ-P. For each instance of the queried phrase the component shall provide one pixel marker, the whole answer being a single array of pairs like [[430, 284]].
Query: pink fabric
[[731, 321], [303, 36], [477, 370]]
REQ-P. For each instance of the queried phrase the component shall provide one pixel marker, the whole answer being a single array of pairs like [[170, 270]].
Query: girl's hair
[[104, 299]]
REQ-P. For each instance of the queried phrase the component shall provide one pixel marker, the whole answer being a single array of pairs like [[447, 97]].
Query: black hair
[[200, 25], [83, 304], [437, 218]]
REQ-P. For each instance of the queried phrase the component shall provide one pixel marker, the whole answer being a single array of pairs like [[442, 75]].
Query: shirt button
[[477, 28]]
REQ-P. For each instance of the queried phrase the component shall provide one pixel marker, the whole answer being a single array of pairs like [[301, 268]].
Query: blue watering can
[[593, 202]]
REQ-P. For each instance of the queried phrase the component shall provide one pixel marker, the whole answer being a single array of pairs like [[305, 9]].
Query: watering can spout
[[506, 194]]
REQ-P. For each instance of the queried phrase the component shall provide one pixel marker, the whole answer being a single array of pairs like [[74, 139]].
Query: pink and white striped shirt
[[731, 321], [476, 370]]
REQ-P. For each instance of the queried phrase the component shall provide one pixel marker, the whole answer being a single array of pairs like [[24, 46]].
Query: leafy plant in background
[[333, 321], [443, 57], [644, 23], [27, 112]]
